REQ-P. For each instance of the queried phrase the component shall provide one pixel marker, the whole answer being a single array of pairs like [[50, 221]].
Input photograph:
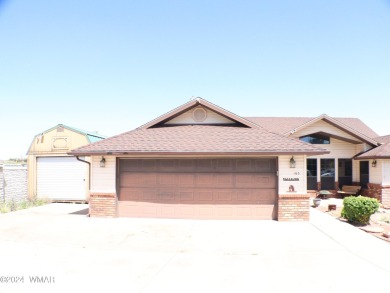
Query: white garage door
[[61, 178]]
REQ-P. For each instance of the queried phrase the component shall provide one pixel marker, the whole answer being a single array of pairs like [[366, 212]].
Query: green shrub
[[359, 209]]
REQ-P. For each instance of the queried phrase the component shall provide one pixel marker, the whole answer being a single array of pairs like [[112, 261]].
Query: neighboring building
[[13, 182], [52, 173], [201, 161]]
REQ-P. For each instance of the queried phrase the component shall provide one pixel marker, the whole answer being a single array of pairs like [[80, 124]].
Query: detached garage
[[199, 161], [52, 173]]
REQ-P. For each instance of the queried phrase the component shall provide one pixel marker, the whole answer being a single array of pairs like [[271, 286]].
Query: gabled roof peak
[[193, 103]]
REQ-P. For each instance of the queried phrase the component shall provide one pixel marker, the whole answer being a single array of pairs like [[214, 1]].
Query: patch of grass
[[12, 205]]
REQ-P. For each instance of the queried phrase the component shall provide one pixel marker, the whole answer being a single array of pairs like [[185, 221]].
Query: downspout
[[89, 170]]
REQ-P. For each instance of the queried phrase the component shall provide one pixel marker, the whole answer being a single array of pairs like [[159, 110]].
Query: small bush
[[359, 209]]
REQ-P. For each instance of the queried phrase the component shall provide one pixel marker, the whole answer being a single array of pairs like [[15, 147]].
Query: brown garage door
[[197, 188]]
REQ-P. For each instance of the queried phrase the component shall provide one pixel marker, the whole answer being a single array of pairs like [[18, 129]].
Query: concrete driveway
[[152, 255]]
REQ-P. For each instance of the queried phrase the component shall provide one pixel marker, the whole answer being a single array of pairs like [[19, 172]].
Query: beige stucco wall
[[385, 171], [212, 118], [55, 144], [339, 149], [376, 172], [323, 126], [103, 180], [292, 176]]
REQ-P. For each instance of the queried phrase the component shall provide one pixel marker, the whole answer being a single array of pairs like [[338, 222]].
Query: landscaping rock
[[372, 229]]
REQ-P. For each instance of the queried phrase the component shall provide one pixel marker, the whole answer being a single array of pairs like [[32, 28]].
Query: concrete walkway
[[367, 247], [154, 255]]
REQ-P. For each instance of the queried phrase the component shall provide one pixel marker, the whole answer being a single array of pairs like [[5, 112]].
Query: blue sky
[[114, 65]]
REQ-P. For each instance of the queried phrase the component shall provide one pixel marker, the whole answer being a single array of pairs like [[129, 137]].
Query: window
[[311, 174], [345, 172], [327, 174], [312, 167], [316, 139]]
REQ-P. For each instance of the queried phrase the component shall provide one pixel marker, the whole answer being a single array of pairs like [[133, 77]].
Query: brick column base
[[293, 207], [386, 195], [102, 205], [374, 191]]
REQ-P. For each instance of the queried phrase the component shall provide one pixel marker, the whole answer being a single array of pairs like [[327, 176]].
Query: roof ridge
[[84, 132]]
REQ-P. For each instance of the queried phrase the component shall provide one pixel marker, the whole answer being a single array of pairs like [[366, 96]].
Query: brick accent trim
[[374, 191], [293, 207], [386, 195], [103, 205]]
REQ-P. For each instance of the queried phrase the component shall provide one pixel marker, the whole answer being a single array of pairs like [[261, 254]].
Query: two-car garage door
[[198, 188]]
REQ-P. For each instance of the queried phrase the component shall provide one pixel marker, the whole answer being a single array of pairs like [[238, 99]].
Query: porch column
[[336, 174], [318, 173]]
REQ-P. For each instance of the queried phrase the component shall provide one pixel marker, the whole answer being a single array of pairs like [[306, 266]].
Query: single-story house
[[52, 173], [202, 161]]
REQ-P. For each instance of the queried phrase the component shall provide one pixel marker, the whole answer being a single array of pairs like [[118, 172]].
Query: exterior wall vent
[[199, 115]]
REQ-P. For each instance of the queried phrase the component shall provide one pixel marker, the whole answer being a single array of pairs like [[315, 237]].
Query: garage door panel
[[185, 196], [198, 188], [165, 179], [204, 196], [223, 180], [128, 179], [265, 165], [204, 180], [160, 210], [196, 196], [245, 165], [224, 165], [204, 165]]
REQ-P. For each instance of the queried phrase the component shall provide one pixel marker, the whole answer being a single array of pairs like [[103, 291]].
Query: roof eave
[[222, 153], [372, 158]]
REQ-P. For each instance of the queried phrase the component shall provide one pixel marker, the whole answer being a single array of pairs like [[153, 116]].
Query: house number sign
[[291, 179]]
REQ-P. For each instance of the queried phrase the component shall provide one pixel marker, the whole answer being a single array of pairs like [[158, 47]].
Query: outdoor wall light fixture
[[292, 162], [102, 162], [373, 164]]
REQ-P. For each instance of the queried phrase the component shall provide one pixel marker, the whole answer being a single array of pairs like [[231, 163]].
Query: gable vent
[[199, 115]]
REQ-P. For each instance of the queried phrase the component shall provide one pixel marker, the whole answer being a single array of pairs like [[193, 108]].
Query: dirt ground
[[379, 225]]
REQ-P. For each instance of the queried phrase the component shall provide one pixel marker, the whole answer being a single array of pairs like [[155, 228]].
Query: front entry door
[[364, 173]]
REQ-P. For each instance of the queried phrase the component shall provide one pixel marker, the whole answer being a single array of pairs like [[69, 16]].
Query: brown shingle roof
[[280, 125], [383, 139], [380, 152], [199, 139], [284, 125]]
